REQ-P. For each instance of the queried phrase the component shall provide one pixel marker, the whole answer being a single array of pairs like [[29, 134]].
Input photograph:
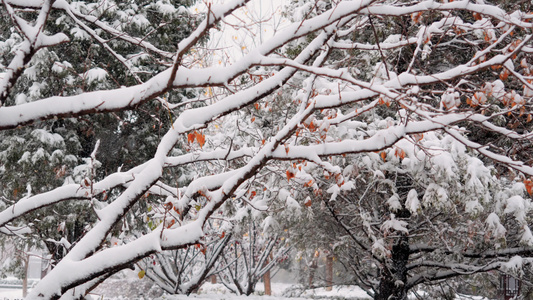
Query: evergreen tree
[[56, 152]]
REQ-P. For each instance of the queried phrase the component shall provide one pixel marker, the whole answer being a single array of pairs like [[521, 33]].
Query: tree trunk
[[312, 270], [266, 278], [329, 273], [250, 287], [392, 281], [26, 260]]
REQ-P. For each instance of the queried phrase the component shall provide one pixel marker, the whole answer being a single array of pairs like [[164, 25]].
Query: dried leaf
[[190, 137], [171, 223], [290, 175], [200, 138], [383, 155], [416, 17], [529, 186], [398, 152]]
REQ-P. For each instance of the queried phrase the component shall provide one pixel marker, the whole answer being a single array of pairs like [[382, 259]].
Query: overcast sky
[[255, 22]]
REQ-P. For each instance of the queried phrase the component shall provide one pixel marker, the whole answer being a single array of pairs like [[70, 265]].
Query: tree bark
[[393, 279], [26, 259], [312, 270], [266, 280], [329, 273]]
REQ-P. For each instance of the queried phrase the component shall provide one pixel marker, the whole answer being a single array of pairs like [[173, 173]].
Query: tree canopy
[[408, 121]]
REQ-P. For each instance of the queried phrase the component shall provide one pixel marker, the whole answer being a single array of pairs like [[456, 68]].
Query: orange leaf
[[307, 202], [256, 105], [253, 119], [399, 153], [418, 136], [504, 74], [190, 137], [200, 138], [477, 16], [383, 155], [223, 234], [529, 186], [289, 175], [309, 183], [416, 17], [172, 222]]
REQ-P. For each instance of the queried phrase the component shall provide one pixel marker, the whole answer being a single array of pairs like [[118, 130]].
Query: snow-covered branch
[[361, 106]]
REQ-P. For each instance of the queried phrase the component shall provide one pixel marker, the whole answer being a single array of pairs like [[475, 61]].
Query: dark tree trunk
[[393, 279], [250, 288]]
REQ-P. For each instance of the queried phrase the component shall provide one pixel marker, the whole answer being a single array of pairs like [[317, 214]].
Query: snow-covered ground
[[10, 294], [217, 291], [281, 291], [127, 289]]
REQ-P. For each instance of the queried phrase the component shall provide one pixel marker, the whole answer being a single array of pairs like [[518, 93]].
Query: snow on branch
[[301, 117]]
